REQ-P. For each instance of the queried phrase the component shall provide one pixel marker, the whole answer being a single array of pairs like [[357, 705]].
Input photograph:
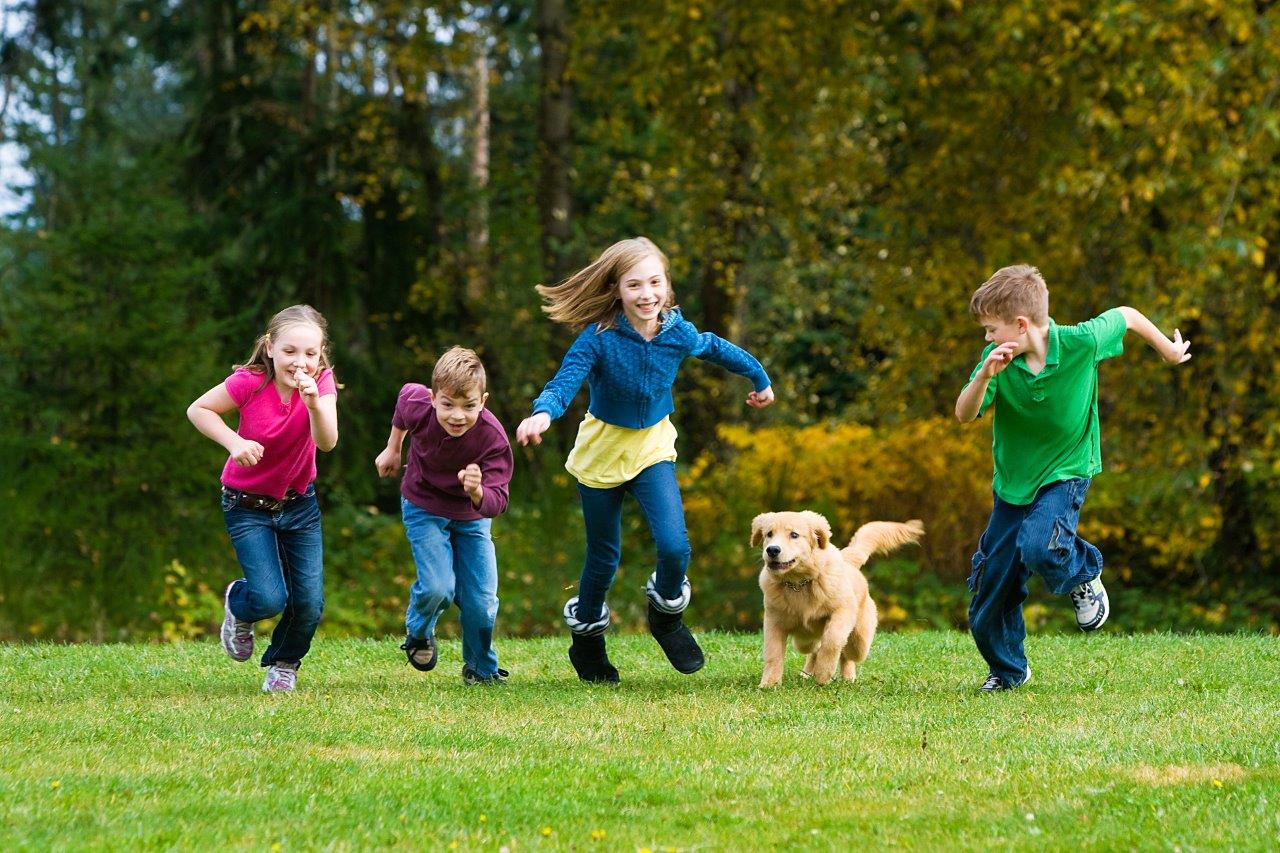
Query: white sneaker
[[282, 677], [237, 635], [1091, 604]]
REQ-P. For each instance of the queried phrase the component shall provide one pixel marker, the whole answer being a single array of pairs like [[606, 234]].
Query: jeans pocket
[[975, 575]]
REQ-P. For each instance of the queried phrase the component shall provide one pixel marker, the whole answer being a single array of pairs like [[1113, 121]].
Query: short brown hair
[[459, 369], [1017, 291]]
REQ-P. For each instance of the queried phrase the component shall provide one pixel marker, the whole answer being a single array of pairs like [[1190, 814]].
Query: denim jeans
[[656, 490], [1039, 538], [456, 564], [282, 556]]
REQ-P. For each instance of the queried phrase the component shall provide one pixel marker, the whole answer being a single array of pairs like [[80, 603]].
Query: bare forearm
[[969, 403], [324, 428], [1138, 323], [395, 441], [212, 426]]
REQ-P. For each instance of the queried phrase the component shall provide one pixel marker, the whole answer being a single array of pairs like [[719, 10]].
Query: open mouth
[[779, 566]]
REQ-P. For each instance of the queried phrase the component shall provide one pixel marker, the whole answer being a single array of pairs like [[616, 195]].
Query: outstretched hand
[[1177, 350], [760, 399], [532, 428]]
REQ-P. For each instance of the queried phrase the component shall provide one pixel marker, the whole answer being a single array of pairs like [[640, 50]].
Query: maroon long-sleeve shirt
[[435, 458]]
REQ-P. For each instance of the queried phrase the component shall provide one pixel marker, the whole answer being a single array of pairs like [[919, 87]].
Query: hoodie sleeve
[[715, 349], [574, 370]]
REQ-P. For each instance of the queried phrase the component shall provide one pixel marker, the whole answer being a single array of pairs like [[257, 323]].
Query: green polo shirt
[[1046, 426]]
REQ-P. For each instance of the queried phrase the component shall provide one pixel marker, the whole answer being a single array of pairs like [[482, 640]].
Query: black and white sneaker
[[1091, 604], [470, 677], [421, 652], [995, 683]]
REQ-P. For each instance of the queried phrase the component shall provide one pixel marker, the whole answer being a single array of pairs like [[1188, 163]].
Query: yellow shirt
[[605, 455]]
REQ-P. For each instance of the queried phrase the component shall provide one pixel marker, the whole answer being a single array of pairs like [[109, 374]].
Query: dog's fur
[[816, 593]]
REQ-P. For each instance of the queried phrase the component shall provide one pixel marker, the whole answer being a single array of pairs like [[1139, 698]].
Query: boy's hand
[[246, 453], [307, 388], [1177, 350], [470, 479], [388, 462], [532, 428], [997, 360], [760, 399]]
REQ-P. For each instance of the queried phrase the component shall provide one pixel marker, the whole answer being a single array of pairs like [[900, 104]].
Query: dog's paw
[[767, 683]]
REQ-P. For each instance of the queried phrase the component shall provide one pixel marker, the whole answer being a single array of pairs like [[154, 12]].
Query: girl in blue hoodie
[[631, 344]]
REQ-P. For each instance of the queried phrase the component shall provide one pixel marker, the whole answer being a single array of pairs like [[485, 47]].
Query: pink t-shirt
[[283, 429]]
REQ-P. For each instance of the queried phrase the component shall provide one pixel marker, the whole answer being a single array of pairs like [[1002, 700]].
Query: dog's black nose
[[773, 550]]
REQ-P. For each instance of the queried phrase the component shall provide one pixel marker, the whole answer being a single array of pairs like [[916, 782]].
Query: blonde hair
[[459, 369], [1012, 292], [295, 315], [591, 294]]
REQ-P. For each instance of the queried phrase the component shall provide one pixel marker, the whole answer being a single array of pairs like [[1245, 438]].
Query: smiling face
[[644, 291], [788, 540], [293, 348], [457, 410]]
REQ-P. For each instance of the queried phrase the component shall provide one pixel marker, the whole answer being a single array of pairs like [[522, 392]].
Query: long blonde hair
[[591, 294], [295, 315]]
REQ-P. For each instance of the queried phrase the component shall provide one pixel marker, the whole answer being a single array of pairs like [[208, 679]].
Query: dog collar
[[797, 586]]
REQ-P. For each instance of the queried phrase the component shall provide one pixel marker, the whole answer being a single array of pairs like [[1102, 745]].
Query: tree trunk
[[554, 138], [478, 233]]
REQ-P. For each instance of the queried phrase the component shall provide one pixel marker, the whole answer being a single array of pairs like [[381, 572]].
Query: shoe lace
[[1083, 593], [993, 682], [243, 630], [284, 675]]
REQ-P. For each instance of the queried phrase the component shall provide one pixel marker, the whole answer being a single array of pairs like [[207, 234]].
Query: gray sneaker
[[1091, 604], [282, 677], [237, 635]]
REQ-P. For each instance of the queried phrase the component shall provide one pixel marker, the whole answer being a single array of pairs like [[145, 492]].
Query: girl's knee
[[271, 603]]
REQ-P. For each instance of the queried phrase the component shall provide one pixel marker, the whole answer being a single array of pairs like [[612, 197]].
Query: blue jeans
[[656, 490], [1039, 538], [282, 556], [456, 564]]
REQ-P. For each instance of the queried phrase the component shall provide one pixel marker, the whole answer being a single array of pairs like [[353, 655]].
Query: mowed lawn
[[1143, 741]]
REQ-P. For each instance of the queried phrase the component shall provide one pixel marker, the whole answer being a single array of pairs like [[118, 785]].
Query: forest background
[[831, 181]]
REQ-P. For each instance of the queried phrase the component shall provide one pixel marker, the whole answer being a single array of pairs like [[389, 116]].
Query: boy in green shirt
[[1042, 379]]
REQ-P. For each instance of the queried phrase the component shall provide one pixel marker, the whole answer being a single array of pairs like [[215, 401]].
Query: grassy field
[[1143, 741]]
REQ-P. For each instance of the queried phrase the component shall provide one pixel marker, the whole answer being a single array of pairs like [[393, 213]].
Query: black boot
[[588, 657], [681, 648]]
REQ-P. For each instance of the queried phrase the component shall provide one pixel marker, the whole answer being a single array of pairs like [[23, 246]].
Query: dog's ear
[[757, 527], [820, 528]]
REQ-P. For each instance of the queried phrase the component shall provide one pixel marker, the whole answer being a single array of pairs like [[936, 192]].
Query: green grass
[[1147, 741]]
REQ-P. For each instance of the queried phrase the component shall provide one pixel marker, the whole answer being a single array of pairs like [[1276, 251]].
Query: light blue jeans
[[456, 564], [282, 556]]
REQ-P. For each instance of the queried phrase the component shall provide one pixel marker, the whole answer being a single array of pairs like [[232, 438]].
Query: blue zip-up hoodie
[[630, 378]]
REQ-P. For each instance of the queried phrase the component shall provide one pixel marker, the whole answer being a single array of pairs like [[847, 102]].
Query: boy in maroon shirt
[[455, 482]]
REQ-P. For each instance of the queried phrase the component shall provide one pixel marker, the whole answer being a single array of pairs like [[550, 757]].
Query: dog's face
[[789, 539]]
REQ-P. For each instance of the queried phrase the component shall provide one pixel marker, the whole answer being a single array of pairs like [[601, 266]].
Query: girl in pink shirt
[[287, 399]]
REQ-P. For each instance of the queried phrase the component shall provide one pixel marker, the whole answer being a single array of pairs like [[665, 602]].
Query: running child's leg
[[658, 493], [999, 587], [301, 549], [586, 613], [434, 586], [1051, 548], [476, 569]]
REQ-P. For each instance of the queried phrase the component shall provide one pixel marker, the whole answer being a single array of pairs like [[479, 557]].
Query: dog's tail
[[879, 537]]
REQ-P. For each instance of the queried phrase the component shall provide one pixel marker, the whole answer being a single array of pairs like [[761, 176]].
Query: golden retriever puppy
[[816, 594]]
